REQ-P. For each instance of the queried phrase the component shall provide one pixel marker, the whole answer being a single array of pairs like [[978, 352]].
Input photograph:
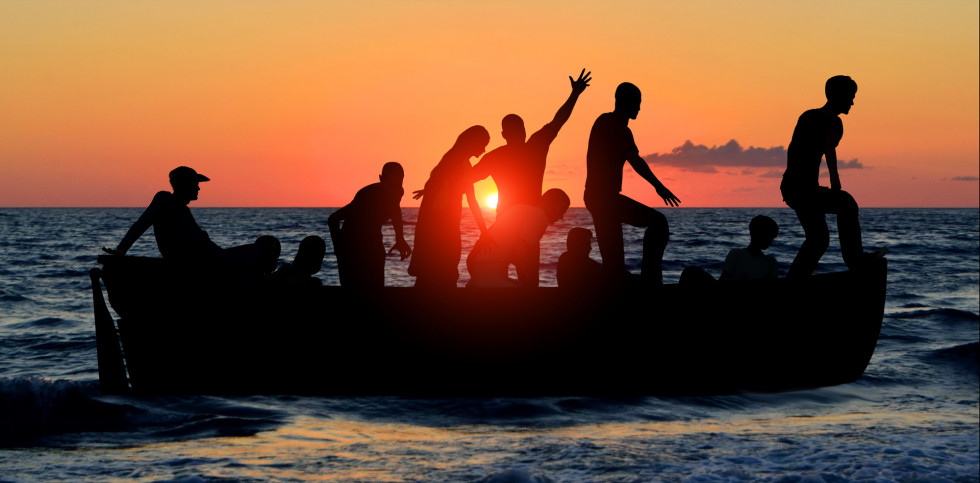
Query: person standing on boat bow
[[816, 136], [611, 145], [181, 240], [358, 243]]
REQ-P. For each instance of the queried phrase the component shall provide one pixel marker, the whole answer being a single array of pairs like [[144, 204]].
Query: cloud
[[702, 159], [966, 178]]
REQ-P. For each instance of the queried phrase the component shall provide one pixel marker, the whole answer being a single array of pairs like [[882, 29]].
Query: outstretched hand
[[669, 198], [404, 250], [583, 81], [417, 194]]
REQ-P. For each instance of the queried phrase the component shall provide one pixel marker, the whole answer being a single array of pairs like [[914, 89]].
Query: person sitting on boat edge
[[575, 268], [181, 240], [358, 242], [308, 261], [748, 263], [514, 239]]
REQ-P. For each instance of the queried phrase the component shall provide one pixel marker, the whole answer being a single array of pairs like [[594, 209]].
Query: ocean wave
[[946, 315], [965, 357], [44, 323], [44, 412]]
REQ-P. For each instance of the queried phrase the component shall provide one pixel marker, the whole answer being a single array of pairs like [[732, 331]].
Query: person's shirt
[[518, 170], [576, 270], [177, 234], [515, 237], [815, 131], [610, 144], [372, 207], [740, 264]]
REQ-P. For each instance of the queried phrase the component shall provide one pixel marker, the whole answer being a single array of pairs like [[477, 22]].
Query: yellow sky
[[300, 103]]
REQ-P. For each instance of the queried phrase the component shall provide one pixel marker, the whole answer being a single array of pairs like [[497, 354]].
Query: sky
[[299, 103]]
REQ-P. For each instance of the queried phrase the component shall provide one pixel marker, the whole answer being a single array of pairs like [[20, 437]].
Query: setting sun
[[492, 201]]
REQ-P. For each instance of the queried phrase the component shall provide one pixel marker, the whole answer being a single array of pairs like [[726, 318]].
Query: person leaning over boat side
[[358, 242], [576, 269], [817, 134], [438, 240], [181, 240], [751, 263], [611, 145], [514, 239]]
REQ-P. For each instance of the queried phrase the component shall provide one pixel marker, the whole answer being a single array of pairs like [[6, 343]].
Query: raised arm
[[643, 169], [565, 111]]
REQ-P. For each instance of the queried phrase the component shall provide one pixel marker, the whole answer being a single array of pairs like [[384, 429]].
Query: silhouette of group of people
[[524, 212]]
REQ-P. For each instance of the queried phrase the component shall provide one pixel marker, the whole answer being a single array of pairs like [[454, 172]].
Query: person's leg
[[609, 236], [817, 240], [848, 226], [655, 237]]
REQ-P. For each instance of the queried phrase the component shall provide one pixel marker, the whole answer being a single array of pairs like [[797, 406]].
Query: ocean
[[912, 416]]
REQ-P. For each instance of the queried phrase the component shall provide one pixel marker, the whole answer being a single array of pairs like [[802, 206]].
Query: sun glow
[[492, 201]]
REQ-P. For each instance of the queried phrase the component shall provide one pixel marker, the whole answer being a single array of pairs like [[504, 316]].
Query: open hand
[[404, 250], [583, 81], [669, 198], [417, 194]]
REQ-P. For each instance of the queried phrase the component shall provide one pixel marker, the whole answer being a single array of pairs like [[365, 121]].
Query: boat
[[177, 332]]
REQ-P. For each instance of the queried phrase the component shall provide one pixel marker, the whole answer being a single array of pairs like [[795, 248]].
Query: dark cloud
[[702, 159], [966, 178]]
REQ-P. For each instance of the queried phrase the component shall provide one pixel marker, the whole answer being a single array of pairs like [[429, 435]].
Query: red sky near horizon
[[301, 103]]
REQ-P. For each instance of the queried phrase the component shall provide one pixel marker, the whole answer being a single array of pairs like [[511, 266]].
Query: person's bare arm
[[527, 262], [565, 111], [643, 169], [475, 209], [831, 155], [404, 250], [144, 222]]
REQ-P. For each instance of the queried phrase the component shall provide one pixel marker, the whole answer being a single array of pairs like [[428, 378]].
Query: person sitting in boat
[[514, 239], [181, 240], [575, 268], [358, 242], [308, 261], [748, 263]]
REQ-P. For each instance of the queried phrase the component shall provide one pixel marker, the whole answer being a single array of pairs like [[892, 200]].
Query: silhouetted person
[[575, 268], [359, 243], [272, 251], [514, 239], [748, 263], [438, 244], [181, 240], [816, 136], [308, 261], [611, 145], [751, 263], [518, 167]]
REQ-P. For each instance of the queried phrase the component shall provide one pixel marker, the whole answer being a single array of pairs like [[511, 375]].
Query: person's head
[[271, 250], [840, 91], [309, 256], [579, 241], [473, 141], [392, 174], [186, 183], [513, 129], [555, 203], [628, 100], [763, 231]]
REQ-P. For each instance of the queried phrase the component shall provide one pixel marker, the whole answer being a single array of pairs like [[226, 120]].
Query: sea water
[[912, 416]]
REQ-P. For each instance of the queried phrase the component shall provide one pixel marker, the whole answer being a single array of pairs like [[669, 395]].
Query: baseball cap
[[183, 173]]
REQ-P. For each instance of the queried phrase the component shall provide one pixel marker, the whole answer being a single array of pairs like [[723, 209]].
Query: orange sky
[[299, 103]]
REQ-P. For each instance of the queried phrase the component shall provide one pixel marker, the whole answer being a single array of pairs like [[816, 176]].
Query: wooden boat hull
[[182, 336]]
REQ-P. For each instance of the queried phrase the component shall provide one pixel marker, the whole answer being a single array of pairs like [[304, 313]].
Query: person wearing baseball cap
[[179, 237]]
